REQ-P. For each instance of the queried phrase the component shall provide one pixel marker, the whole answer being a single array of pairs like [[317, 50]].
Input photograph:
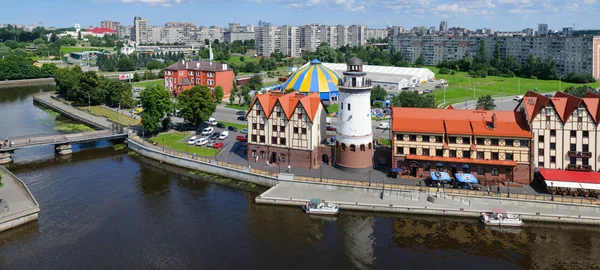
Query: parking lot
[[228, 142]]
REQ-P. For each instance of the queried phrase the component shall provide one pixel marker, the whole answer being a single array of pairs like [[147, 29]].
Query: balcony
[[574, 167], [576, 154], [348, 83]]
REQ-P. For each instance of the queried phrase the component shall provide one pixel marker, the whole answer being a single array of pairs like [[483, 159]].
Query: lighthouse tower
[[354, 146]]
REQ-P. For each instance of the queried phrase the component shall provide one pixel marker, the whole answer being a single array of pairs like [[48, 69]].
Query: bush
[[478, 73], [444, 71], [452, 72], [579, 78], [377, 104]]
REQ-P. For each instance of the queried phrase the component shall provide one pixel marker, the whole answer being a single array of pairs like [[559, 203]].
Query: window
[[295, 130], [586, 134], [262, 127], [274, 140], [439, 152], [282, 128], [343, 147], [262, 154], [509, 142], [573, 133], [299, 115], [552, 159], [495, 155], [467, 140], [426, 138], [452, 153], [509, 156], [253, 125], [348, 106], [412, 151], [278, 114], [495, 141], [400, 150], [585, 148], [258, 111], [480, 155], [585, 161], [552, 146], [573, 147], [399, 137], [426, 167], [370, 146], [541, 164], [572, 160], [262, 139], [282, 141], [466, 154], [274, 128], [552, 133], [254, 153], [412, 138], [180, 73], [480, 141], [547, 117], [541, 138], [254, 138], [352, 148], [303, 130], [426, 151], [541, 151], [579, 119], [452, 140], [480, 170], [494, 171], [362, 147], [438, 139], [342, 107], [524, 143]]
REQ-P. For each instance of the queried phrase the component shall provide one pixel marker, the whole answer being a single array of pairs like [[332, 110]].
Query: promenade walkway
[[57, 139], [18, 205], [50, 100]]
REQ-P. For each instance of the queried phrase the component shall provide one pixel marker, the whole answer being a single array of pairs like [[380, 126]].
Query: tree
[[496, 61], [577, 78], [241, 59], [234, 91], [125, 64], [580, 91], [39, 41], [117, 93], [156, 102], [481, 55], [136, 77], [378, 93], [11, 44], [412, 99], [196, 104], [219, 93], [486, 102], [255, 82], [420, 61], [79, 37]]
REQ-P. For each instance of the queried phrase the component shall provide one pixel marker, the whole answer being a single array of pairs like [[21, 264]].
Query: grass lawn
[[236, 59], [332, 108], [237, 125], [459, 88], [385, 141], [235, 106], [112, 115], [173, 141], [65, 50], [271, 83], [147, 83]]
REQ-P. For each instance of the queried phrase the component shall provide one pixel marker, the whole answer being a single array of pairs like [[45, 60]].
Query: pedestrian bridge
[[62, 142]]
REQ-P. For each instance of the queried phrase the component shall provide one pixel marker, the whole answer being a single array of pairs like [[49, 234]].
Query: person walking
[[498, 190], [488, 191], [289, 168]]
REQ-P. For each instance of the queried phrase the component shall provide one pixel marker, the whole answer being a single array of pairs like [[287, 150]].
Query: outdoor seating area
[[571, 183]]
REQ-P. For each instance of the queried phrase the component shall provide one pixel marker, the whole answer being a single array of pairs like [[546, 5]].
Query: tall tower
[[354, 146]]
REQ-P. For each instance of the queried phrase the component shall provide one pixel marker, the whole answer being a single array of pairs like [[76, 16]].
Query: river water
[[105, 209]]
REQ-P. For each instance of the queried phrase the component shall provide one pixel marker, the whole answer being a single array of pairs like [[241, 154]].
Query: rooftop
[[563, 103], [198, 65], [288, 103]]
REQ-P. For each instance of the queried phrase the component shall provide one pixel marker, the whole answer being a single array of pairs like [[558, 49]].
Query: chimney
[[183, 61], [197, 64], [494, 121], [224, 66], [186, 65]]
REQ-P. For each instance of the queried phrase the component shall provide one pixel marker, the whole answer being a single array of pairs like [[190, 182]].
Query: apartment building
[[342, 35], [290, 40], [110, 25], [267, 39], [570, 53], [377, 34], [357, 35], [184, 75], [491, 145], [310, 37], [287, 129], [140, 30], [328, 35], [565, 130], [596, 57]]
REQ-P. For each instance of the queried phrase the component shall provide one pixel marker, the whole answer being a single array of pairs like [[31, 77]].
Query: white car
[[201, 141], [244, 131], [207, 131], [518, 98], [211, 121], [193, 140], [224, 135]]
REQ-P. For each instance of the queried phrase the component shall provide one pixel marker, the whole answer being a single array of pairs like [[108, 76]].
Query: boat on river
[[500, 219], [320, 207]]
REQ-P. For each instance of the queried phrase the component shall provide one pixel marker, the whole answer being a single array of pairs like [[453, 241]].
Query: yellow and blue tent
[[315, 78]]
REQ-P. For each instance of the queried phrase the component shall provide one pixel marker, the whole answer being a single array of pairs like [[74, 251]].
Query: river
[[103, 209]]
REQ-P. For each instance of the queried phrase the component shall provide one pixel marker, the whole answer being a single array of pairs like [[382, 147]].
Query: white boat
[[501, 219], [320, 207]]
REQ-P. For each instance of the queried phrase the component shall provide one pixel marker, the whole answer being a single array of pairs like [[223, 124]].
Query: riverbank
[[18, 206], [27, 82]]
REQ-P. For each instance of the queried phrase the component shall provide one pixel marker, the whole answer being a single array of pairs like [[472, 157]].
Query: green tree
[[196, 104], [79, 37], [481, 55], [117, 93], [420, 61], [486, 102], [156, 102], [496, 61], [241, 59], [412, 99], [136, 77], [255, 82], [39, 41], [234, 91], [580, 91], [378, 93], [11, 44], [125, 64], [219, 93], [48, 69]]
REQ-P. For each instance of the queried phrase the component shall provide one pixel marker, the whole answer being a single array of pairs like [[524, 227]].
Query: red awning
[[463, 160], [570, 179]]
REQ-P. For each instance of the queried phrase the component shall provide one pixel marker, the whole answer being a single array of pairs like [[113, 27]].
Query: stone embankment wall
[[28, 82], [22, 215]]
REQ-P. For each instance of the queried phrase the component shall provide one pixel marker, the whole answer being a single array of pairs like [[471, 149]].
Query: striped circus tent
[[315, 78]]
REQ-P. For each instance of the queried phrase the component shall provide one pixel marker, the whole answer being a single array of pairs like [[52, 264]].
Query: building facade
[[491, 145], [267, 40], [287, 129], [140, 30], [110, 25], [290, 41], [354, 140], [377, 34], [184, 75]]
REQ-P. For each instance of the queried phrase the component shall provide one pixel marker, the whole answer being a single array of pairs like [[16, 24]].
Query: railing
[[576, 154], [382, 185], [578, 167], [367, 83]]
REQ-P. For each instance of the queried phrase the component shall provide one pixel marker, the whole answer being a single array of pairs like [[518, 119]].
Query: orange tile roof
[[288, 103], [592, 107], [405, 124], [463, 160], [458, 127]]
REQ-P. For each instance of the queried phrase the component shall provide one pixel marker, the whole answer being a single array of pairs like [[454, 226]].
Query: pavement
[[47, 97], [507, 103], [15, 197]]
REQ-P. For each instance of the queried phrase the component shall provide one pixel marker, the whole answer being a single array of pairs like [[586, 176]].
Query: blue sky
[[472, 14]]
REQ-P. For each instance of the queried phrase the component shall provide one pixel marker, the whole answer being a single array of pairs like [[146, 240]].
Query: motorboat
[[320, 207], [500, 219]]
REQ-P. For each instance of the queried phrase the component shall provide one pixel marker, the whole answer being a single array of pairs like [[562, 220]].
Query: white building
[[290, 40], [267, 39], [140, 30]]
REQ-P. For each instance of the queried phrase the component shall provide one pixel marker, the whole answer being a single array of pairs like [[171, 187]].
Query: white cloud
[[521, 11], [590, 2], [166, 3], [348, 5]]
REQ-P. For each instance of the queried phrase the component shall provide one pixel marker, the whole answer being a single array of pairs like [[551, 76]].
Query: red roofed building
[[184, 75], [491, 145], [288, 129], [98, 32]]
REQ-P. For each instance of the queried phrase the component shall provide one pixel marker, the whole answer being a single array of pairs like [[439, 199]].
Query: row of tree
[[372, 55], [122, 62], [83, 88], [18, 67]]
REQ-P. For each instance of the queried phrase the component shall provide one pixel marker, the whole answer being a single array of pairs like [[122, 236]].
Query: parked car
[[331, 128], [221, 125], [210, 143], [244, 131], [215, 135], [201, 141], [242, 118], [426, 91], [518, 98], [383, 126], [240, 113], [217, 145], [241, 138], [232, 128], [192, 140], [207, 131], [224, 135], [211, 121], [549, 95]]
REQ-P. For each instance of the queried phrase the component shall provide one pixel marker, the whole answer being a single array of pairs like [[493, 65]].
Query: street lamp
[[163, 144], [321, 172], [89, 98]]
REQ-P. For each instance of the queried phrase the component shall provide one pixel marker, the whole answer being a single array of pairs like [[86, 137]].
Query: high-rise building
[[140, 30], [110, 25], [542, 29], [377, 34], [290, 40], [310, 37], [342, 35], [357, 35], [328, 35], [443, 26], [267, 39]]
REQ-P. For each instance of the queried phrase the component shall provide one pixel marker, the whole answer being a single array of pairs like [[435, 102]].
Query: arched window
[[370, 146], [362, 147], [348, 106], [353, 148], [342, 106], [343, 147]]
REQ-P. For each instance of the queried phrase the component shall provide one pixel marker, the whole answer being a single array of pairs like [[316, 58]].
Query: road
[[502, 103]]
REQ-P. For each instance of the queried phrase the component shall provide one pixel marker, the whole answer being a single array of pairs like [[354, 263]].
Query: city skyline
[[502, 15]]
